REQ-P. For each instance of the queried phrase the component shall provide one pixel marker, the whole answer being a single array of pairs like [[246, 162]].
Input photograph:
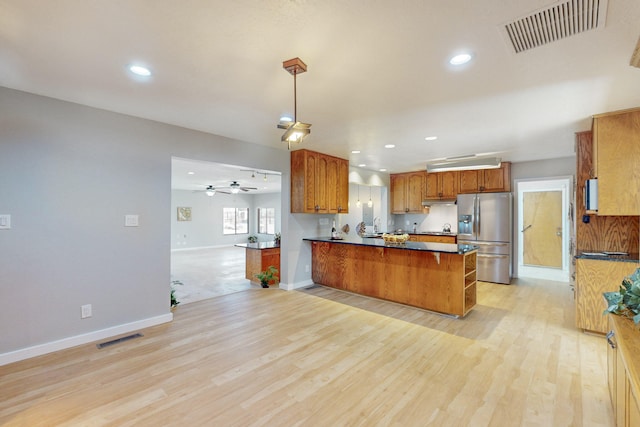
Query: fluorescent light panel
[[470, 164]]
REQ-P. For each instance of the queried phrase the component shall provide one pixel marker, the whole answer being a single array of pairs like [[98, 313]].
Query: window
[[235, 220], [266, 221]]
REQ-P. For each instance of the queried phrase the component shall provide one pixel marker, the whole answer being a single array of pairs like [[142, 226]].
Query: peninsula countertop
[[609, 256], [450, 248], [259, 245]]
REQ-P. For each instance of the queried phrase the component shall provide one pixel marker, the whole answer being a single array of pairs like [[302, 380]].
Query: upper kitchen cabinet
[[485, 180], [319, 183], [442, 185], [616, 161], [407, 192]]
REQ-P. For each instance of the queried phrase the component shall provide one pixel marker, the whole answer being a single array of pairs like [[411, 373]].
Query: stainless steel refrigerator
[[485, 220]]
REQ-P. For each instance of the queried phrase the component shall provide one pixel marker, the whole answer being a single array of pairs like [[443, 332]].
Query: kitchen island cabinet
[[434, 276], [623, 370], [259, 256]]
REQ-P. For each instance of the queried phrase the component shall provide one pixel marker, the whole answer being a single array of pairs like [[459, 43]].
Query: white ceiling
[[378, 71]]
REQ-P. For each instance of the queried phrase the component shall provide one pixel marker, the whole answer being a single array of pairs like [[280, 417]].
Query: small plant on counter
[[626, 302], [252, 239], [268, 276], [174, 300], [276, 238]]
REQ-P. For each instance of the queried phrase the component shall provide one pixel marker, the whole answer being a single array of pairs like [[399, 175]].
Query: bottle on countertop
[[415, 227], [334, 232]]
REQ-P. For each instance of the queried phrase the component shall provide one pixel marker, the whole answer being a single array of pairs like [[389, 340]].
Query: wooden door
[[432, 188], [398, 188], [415, 191], [448, 184], [331, 184], [468, 181], [542, 224]]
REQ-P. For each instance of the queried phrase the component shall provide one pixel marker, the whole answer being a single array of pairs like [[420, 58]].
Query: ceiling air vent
[[555, 22]]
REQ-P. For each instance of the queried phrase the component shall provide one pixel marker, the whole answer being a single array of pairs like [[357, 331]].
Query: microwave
[[591, 194]]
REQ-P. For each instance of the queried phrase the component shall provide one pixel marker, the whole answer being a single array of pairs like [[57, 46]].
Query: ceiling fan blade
[[248, 188]]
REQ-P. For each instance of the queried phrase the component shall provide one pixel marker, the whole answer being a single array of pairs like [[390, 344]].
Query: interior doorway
[[544, 228]]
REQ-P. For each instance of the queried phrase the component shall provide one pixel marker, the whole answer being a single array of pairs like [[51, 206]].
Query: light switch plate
[[131, 220], [5, 222]]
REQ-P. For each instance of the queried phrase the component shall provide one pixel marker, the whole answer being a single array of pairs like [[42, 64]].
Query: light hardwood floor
[[321, 357]]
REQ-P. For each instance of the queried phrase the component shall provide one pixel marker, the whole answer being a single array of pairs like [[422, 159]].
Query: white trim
[[40, 349], [565, 185], [202, 247], [297, 285]]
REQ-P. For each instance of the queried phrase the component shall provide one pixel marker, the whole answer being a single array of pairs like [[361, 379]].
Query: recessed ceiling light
[[355, 152], [460, 59], [361, 165], [389, 146], [190, 173], [139, 70], [383, 170], [431, 138]]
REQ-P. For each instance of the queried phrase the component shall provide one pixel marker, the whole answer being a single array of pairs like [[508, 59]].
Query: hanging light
[[370, 202], [265, 176], [210, 191], [358, 204], [295, 131]]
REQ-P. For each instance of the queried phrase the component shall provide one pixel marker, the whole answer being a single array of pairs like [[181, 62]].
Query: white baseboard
[[40, 349], [294, 286], [195, 248]]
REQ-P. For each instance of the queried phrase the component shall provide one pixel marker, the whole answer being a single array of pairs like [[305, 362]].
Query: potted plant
[[276, 238], [626, 302], [174, 299], [252, 239], [270, 275]]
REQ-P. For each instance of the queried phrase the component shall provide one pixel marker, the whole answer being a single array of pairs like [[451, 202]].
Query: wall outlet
[[85, 311], [306, 268], [5, 222], [323, 221], [131, 221]]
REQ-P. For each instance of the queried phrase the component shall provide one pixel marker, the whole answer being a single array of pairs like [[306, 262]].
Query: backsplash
[[433, 221]]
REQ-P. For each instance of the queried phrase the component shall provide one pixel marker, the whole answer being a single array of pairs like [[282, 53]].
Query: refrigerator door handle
[[475, 225], [485, 243]]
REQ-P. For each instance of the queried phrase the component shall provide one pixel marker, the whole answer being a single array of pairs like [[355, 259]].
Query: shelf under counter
[[433, 276]]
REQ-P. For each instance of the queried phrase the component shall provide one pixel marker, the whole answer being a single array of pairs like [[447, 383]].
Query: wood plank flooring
[[322, 357]]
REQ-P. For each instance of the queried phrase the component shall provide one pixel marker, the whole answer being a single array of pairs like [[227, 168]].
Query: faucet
[[376, 224], [446, 228]]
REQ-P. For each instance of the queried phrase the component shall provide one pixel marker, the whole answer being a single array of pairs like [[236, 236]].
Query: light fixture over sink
[[295, 131]]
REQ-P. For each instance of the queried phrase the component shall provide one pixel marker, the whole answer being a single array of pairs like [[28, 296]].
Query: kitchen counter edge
[[450, 248]]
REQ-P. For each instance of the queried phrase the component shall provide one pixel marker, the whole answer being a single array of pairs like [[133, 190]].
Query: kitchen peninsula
[[259, 256], [439, 277]]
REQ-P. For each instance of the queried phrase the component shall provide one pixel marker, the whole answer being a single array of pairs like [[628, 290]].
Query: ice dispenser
[[465, 226]]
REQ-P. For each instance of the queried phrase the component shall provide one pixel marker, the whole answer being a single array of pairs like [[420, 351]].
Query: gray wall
[[68, 176]]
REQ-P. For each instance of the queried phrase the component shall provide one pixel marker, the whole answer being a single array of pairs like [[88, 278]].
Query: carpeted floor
[[207, 273]]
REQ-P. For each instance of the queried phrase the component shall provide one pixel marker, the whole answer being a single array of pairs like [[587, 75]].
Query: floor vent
[[554, 23], [118, 340]]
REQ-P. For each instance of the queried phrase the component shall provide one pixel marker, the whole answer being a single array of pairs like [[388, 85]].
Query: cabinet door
[[432, 190], [496, 180], [448, 184], [331, 184], [343, 186], [398, 188], [617, 156], [321, 183], [311, 165], [622, 391], [611, 370], [468, 182], [415, 192]]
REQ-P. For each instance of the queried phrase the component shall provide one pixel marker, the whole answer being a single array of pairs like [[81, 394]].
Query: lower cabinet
[[258, 260], [593, 278], [431, 238], [622, 370]]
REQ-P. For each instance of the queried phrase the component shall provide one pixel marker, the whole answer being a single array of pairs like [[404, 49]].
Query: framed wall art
[[184, 214]]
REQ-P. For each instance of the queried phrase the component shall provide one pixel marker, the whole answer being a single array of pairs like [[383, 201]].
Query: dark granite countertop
[[450, 248], [258, 245], [609, 256]]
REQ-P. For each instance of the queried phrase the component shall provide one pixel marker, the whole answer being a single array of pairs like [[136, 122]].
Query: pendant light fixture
[[295, 131], [370, 202], [358, 204]]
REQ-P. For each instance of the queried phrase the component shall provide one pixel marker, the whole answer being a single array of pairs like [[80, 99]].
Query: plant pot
[[264, 285]]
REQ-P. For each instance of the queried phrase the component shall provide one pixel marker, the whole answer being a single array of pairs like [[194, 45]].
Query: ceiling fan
[[211, 190], [235, 188]]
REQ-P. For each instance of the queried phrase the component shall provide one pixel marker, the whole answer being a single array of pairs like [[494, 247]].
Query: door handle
[[526, 228]]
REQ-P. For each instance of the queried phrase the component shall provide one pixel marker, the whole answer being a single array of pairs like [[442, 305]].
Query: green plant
[[252, 239], [267, 276], [626, 302], [277, 237], [174, 300]]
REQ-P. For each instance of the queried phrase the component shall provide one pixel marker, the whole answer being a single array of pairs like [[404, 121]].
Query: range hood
[[432, 202]]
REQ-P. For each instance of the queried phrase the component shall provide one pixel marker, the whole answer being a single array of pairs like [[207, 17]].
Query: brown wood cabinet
[[407, 192], [432, 238], [485, 180], [623, 370], [437, 281], [616, 142], [593, 278], [257, 260], [319, 183], [442, 185]]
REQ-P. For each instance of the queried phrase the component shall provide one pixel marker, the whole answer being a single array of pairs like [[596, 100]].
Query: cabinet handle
[[610, 335]]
